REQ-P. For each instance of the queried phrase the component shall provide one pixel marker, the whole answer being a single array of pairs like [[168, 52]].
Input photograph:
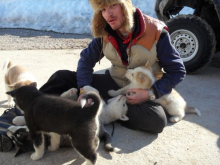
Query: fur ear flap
[[148, 66], [124, 118], [11, 93], [140, 77]]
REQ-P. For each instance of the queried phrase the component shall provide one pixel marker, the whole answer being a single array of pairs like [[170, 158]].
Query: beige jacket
[[142, 49]]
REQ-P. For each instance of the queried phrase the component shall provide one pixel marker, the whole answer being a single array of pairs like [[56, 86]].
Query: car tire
[[194, 39]]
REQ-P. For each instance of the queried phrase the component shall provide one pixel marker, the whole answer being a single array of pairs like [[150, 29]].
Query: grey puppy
[[58, 116]]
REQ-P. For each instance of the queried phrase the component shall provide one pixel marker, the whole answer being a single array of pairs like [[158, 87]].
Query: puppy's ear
[[33, 84], [124, 118], [11, 93], [148, 66], [141, 77]]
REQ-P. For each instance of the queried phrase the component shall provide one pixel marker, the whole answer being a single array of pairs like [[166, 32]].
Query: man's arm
[[88, 58], [170, 61]]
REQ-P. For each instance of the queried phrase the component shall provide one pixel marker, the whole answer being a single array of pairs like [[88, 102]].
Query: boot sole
[[5, 143]]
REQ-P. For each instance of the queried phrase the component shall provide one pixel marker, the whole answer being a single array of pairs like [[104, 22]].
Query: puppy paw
[[10, 134], [70, 94], [13, 129], [36, 156], [112, 93], [73, 93], [174, 119], [19, 120], [11, 104]]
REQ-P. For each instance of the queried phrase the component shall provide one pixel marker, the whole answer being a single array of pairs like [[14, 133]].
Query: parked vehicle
[[195, 36]]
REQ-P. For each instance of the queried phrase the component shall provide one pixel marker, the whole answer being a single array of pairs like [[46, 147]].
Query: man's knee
[[149, 117], [63, 73], [59, 82], [160, 120]]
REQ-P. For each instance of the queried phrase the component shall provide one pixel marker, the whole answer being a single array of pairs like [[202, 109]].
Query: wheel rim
[[185, 43]]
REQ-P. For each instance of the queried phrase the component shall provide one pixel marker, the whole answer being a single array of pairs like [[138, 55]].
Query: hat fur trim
[[99, 23]]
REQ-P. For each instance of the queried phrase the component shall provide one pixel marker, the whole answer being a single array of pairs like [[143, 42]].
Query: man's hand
[[137, 96], [89, 101]]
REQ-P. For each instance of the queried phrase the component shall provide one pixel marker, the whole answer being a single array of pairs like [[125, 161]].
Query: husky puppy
[[59, 116], [115, 109], [174, 104], [15, 77]]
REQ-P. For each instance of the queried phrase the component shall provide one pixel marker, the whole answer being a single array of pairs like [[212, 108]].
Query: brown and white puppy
[[15, 77], [174, 104]]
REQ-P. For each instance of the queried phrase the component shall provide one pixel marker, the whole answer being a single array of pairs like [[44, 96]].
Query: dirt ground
[[27, 39], [192, 141]]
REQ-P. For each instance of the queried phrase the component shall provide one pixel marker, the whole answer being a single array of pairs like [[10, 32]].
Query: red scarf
[[125, 38]]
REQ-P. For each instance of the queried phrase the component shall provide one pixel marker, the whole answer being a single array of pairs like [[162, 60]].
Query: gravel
[[28, 39]]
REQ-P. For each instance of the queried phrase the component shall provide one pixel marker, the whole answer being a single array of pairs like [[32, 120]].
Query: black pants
[[148, 116]]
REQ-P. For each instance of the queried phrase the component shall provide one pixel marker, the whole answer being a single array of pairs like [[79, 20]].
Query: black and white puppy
[[71, 94], [59, 116]]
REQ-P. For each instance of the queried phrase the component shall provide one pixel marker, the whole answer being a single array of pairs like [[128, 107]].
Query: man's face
[[114, 16]]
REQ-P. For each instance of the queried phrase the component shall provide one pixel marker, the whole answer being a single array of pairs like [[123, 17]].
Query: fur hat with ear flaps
[[99, 23]]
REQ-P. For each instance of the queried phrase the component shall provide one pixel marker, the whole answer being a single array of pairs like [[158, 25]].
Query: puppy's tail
[[96, 104], [192, 110], [7, 64]]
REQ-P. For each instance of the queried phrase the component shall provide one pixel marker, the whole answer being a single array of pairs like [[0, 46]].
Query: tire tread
[[208, 33]]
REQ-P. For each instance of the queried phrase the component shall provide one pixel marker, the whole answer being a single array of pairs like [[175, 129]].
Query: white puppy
[[15, 77], [116, 109]]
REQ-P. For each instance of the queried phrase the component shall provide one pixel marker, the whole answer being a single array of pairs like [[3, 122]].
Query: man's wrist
[[152, 96]]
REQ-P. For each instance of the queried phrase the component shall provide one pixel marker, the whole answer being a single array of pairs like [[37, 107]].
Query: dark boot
[[6, 118]]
